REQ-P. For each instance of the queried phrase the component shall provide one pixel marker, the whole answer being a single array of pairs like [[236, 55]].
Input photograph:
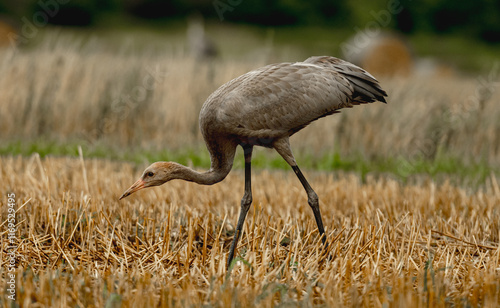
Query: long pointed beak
[[135, 187]]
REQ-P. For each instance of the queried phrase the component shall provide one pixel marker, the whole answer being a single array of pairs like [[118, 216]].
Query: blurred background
[[126, 79], [464, 34]]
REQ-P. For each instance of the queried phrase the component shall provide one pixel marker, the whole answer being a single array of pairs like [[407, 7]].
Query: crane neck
[[222, 153], [209, 177]]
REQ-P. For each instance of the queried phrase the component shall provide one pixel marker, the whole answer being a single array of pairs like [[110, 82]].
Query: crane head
[[154, 175]]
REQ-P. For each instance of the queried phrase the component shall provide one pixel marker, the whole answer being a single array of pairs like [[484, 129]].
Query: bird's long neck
[[209, 177], [221, 157]]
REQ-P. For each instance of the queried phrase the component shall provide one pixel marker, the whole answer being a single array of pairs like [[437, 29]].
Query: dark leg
[[312, 199], [246, 201], [283, 148]]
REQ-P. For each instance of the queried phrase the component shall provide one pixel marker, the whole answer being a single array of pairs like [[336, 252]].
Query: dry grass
[[389, 244], [90, 90]]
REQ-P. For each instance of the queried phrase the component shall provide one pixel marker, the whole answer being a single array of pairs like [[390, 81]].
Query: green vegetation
[[443, 166]]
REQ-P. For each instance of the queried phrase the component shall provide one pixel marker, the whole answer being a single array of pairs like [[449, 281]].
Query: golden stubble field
[[390, 244]]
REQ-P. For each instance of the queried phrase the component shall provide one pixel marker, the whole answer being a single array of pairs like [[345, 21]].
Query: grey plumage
[[277, 100]]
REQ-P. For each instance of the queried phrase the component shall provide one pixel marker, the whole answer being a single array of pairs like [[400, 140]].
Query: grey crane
[[264, 107]]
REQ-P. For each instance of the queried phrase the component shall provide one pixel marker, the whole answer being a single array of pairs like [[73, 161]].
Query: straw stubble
[[389, 243]]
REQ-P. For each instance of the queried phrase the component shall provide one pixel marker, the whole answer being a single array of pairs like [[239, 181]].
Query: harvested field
[[390, 244]]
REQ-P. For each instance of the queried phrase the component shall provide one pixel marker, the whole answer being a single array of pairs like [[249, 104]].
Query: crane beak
[[135, 187]]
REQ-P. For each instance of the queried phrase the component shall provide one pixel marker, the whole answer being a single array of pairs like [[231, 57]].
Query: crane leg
[[282, 146], [246, 201], [312, 199]]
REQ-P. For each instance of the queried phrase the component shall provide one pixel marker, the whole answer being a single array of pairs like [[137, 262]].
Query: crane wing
[[280, 99]]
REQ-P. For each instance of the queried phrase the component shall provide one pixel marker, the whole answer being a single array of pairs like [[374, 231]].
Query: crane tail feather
[[366, 88]]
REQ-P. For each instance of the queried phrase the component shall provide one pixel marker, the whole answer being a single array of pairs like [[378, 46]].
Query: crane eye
[[149, 174]]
